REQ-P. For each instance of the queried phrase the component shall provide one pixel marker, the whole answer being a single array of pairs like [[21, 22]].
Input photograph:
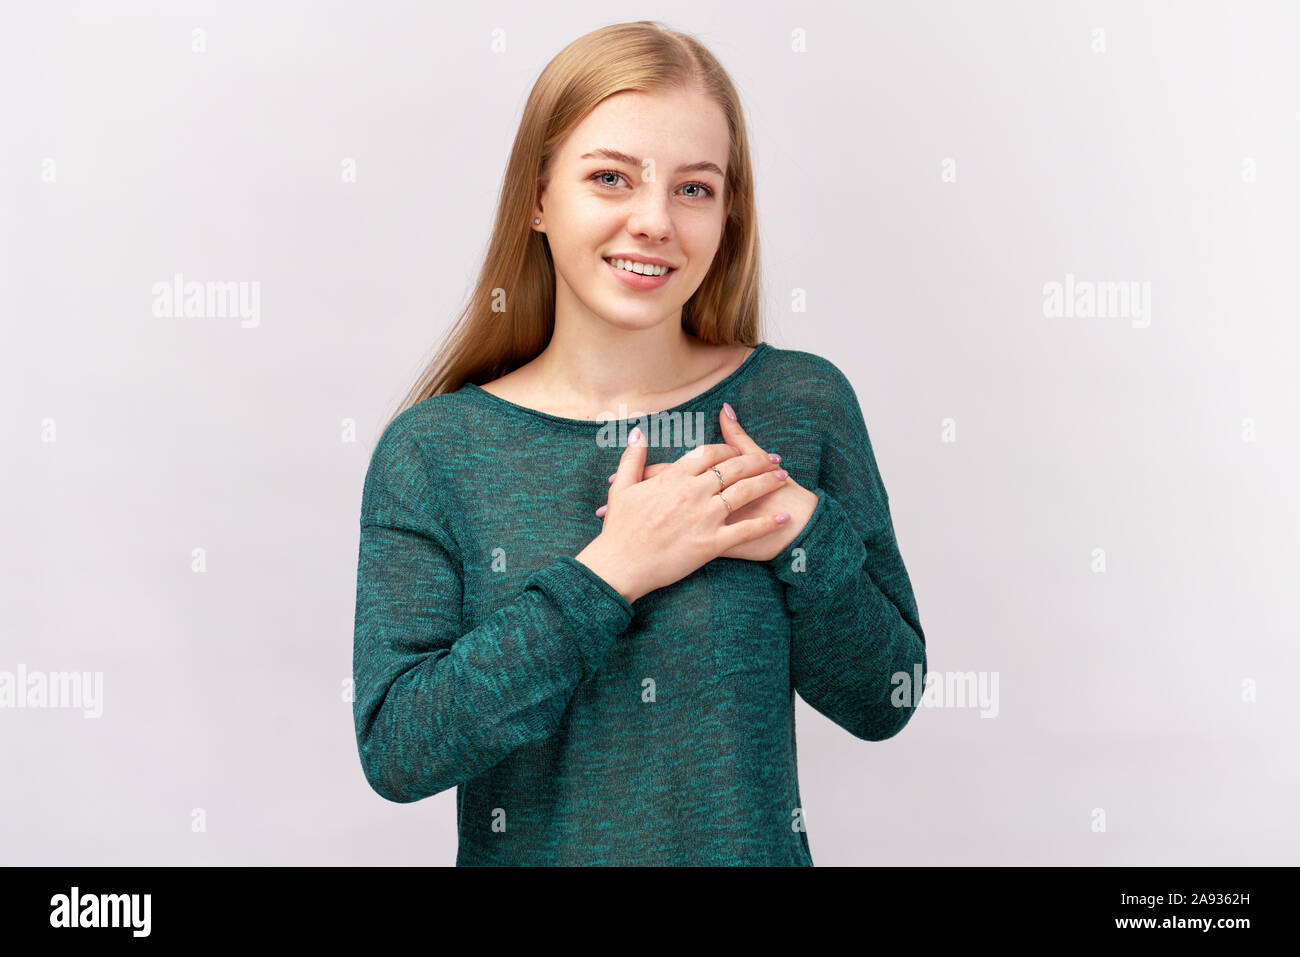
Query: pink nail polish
[[600, 512], [782, 518], [731, 413], [773, 457], [635, 436], [781, 473], [610, 480]]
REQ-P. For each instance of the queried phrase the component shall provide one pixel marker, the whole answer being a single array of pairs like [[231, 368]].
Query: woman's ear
[[537, 208]]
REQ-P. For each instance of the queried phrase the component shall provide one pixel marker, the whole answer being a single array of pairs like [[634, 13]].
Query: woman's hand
[[658, 529], [788, 497]]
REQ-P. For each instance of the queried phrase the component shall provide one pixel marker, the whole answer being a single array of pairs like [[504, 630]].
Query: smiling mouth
[[640, 269]]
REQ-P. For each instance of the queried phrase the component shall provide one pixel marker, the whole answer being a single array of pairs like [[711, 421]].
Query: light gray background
[[224, 690]]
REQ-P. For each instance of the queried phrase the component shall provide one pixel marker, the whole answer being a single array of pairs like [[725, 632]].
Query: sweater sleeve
[[436, 705], [854, 620]]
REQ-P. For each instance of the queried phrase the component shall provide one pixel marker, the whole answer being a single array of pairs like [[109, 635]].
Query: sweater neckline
[[736, 375]]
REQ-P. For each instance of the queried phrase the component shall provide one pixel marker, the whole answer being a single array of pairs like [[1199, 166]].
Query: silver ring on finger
[[724, 500], [722, 483]]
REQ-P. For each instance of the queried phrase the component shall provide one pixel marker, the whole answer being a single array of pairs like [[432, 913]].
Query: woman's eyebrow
[[703, 166]]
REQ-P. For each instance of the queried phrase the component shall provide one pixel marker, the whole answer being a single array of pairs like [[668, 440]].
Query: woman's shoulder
[[811, 378], [429, 431], [431, 420]]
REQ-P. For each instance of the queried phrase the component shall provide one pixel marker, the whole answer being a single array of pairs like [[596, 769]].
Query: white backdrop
[[1097, 510]]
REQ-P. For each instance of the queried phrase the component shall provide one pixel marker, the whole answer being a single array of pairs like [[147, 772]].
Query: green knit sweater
[[578, 728]]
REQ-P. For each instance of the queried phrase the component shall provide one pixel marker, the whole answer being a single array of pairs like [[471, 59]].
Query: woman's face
[[643, 175]]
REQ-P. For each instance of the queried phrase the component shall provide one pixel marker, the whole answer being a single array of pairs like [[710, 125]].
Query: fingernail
[[600, 512], [781, 473], [773, 457], [635, 436], [731, 413], [782, 518], [611, 477], [734, 449]]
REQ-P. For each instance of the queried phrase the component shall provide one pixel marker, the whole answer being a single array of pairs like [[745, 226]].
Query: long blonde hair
[[645, 57]]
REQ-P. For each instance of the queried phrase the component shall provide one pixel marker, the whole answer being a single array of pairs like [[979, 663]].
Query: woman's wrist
[[598, 557]]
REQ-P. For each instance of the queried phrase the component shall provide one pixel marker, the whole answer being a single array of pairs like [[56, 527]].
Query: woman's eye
[[599, 177]]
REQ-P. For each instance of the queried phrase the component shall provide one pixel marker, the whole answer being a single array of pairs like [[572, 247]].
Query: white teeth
[[641, 269]]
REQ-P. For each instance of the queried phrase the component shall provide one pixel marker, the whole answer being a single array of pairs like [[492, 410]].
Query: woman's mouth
[[650, 277]]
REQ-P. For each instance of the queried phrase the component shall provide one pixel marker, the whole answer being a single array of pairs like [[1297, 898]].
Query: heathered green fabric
[[581, 729]]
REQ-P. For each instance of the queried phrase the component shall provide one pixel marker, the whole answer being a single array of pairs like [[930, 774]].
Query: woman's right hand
[[660, 529]]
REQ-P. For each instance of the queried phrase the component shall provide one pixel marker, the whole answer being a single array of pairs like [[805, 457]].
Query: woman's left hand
[[790, 497]]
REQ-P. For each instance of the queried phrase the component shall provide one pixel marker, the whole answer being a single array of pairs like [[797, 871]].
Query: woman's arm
[[854, 620], [435, 705]]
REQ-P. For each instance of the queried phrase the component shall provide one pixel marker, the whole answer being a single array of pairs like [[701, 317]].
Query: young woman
[[611, 532]]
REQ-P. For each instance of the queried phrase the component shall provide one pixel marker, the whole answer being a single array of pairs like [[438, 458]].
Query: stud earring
[[537, 222]]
